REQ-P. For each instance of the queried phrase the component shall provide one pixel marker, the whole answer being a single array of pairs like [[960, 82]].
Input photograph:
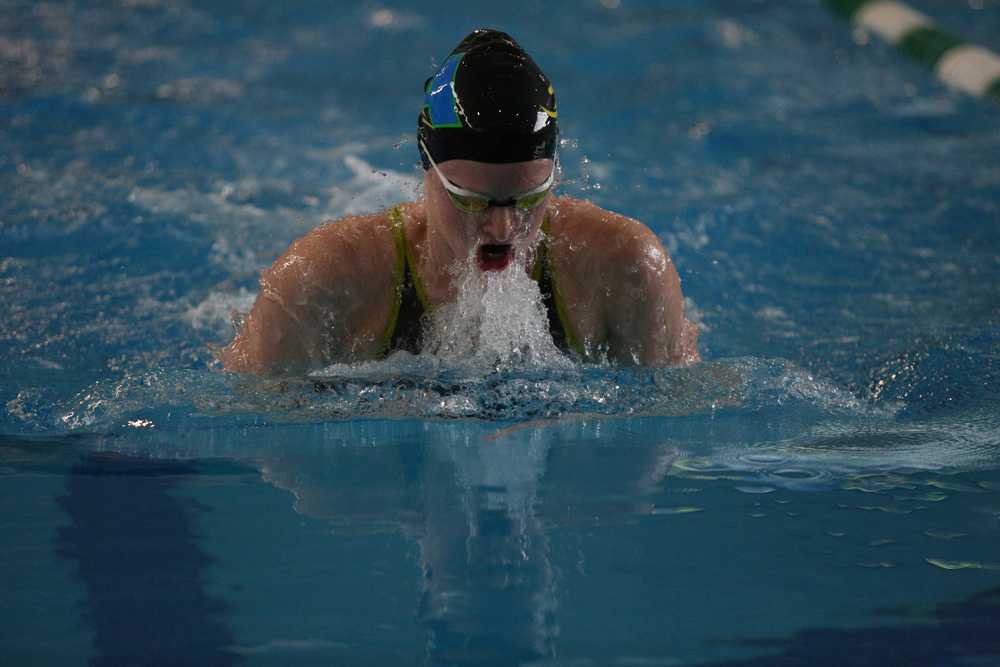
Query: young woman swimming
[[359, 288]]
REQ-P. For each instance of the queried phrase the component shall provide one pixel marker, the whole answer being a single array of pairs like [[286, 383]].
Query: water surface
[[822, 490]]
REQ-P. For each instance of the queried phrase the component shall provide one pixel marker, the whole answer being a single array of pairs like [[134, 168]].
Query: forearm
[[270, 341]]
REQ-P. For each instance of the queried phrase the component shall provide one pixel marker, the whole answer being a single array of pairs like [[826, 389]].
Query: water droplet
[[943, 535], [882, 542], [962, 565], [676, 510]]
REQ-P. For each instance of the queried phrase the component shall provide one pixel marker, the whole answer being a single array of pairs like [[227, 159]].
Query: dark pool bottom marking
[[139, 560], [964, 629], [967, 67]]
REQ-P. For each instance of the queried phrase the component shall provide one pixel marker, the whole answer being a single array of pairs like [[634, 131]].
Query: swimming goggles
[[476, 202]]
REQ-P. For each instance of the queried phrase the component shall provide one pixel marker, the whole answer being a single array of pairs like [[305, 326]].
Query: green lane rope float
[[967, 67]]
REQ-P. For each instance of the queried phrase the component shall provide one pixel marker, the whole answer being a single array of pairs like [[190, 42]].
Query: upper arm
[[277, 333], [313, 303], [644, 310]]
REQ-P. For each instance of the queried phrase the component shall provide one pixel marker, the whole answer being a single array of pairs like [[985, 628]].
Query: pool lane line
[[967, 67]]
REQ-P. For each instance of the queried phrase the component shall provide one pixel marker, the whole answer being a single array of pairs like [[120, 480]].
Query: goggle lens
[[529, 202], [469, 204]]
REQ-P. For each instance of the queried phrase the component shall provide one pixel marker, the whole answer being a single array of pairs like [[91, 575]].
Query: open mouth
[[495, 257]]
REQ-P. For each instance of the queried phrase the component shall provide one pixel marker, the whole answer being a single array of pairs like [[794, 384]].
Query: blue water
[[824, 489]]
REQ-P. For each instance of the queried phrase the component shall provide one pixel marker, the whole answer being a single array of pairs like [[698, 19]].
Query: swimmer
[[357, 289]]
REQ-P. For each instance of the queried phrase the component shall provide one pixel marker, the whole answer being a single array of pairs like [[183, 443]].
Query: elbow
[[235, 359]]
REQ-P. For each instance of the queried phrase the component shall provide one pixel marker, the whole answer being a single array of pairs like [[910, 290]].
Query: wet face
[[498, 236]]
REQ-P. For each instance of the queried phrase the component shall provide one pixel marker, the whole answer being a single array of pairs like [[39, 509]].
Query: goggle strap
[[462, 192]]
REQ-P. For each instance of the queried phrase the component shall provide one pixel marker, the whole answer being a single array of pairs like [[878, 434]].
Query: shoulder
[[621, 284], [587, 236], [360, 250]]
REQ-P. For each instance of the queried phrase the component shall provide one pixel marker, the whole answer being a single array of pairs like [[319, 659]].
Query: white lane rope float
[[966, 67]]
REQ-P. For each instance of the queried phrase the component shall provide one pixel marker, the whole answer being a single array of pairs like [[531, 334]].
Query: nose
[[500, 225]]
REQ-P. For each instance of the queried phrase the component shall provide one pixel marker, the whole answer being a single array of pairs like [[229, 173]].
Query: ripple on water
[[525, 392], [763, 459], [755, 489]]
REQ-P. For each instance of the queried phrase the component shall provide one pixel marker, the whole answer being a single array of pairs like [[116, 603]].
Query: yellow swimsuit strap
[[542, 270], [403, 251], [399, 271], [545, 271], [404, 268]]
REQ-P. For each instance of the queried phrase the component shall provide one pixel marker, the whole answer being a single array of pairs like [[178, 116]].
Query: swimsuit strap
[[402, 331], [555, 306]]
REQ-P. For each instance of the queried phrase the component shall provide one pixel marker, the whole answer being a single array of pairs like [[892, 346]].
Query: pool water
[[823, 489]]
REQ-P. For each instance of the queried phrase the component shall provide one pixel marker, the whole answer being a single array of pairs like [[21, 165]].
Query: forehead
[[497, 178]]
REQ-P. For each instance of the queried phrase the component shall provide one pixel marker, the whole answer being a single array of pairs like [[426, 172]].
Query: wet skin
[[329, 297]]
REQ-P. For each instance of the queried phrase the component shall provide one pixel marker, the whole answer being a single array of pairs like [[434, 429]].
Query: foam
[[215, 311], [497, 320], [369, 188]]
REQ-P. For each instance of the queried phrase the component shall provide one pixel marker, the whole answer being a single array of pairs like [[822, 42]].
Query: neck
[[432, 264]]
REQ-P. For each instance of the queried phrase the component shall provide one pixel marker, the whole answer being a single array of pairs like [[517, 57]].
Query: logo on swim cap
[[439, 95], [488, 102], [551, 113]]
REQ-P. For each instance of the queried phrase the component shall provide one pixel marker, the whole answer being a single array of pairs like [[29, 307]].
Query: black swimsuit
[[404, 329]]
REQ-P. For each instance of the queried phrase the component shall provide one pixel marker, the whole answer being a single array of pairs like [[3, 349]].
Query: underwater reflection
[[952, 633], [480, 511], [146, 593]]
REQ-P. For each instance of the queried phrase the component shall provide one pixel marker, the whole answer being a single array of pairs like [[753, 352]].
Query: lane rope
[[966, 67]]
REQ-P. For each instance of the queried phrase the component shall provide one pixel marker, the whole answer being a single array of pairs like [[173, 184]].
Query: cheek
[[450, 223], [461, 232]]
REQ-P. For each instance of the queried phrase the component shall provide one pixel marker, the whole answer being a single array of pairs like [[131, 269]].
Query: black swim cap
[[488, 102]]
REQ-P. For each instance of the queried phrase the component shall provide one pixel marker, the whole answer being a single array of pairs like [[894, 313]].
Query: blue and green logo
[[439, 95]]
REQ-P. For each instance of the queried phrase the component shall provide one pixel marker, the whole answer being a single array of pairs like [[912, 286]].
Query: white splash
[[215, 311], [395, 20], [369, 189], [498, 319]]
